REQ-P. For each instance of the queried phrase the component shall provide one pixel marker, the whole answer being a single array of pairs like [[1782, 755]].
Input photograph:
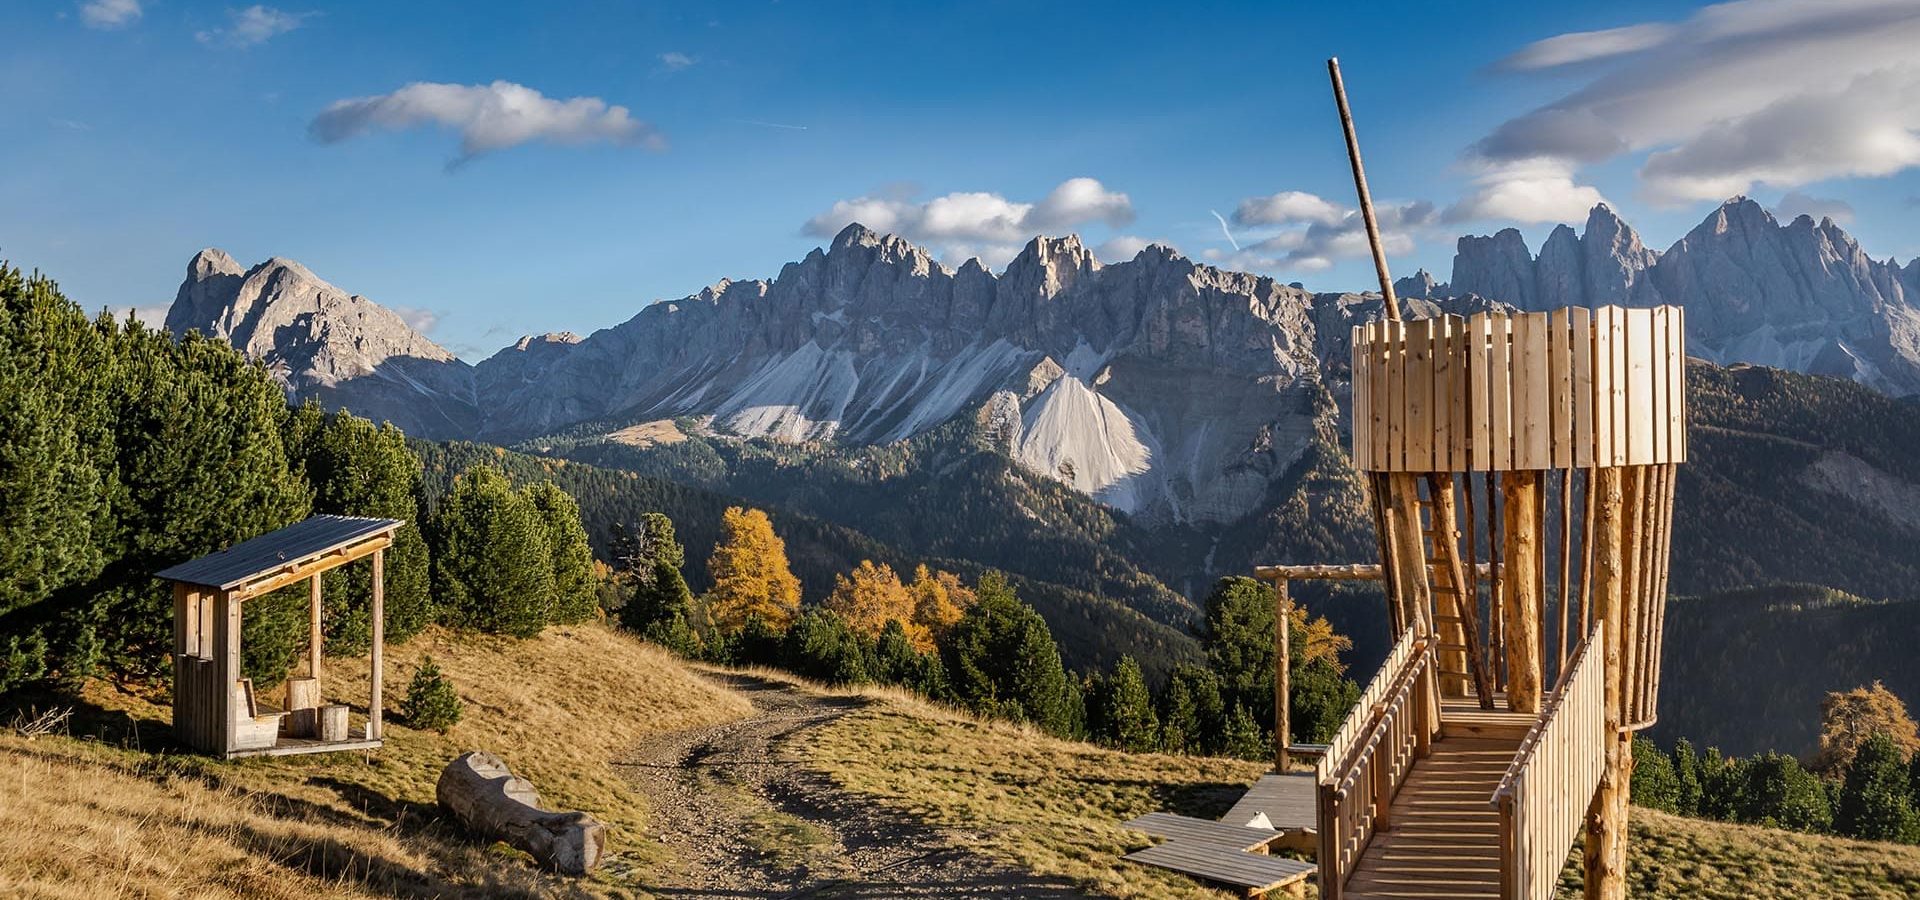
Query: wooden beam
[[226, 660], [1521, 599], [374, 704], [299, 570]]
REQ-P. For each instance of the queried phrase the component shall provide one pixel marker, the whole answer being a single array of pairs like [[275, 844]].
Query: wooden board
[[1396, 366], [1204, 831], [1533, 399], [1560, 374], [1287, 800], [1583, 388], [1500, 398], [1640, 412], [1362, 396], [1419, 356], [1257, 874]]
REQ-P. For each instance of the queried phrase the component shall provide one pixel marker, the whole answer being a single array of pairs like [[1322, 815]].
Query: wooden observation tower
[[1521, 472]]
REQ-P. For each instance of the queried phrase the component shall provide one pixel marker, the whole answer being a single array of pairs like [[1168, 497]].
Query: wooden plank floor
[[1445, 836], [1290, 802], [1257, 874]]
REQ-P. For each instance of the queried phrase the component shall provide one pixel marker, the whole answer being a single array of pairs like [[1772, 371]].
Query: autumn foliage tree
[[871, 596], [751, 576], [939, 600], [1849, 719]]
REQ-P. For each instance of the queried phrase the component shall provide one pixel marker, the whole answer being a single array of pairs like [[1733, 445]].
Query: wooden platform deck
[[1205, 831], [1445, 838], [1287, 800], [1251, 872], [293, 746]]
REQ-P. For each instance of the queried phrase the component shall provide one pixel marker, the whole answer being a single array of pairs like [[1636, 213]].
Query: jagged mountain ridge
[[1801, 296], [1166, 388]]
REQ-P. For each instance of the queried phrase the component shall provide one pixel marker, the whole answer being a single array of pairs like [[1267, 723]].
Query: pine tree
[[1654, 784], [1244, 738], [751, 577], [354, 468], [821, 645], [1000, 659], [1686, 773], [1239, 645], [647, 561], [492, 566], [1125, 717], [1781, 794], [572, 555], [1192, 718], [1874, 803]]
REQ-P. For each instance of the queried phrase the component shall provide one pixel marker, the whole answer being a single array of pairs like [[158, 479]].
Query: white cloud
[[421, 320], [674, 60], [1301, 232], [488, 117], [1527, 191], [1740, 93], [978, 223], [1123, 247], [109, 14], [1287, 207], [1796, 204], [253, 26]]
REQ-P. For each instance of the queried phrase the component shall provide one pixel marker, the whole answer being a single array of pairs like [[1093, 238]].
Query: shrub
[[432, 704]]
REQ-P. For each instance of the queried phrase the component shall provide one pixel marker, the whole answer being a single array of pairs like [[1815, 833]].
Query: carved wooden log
[[303, 699], [330, 723], [489, 799]]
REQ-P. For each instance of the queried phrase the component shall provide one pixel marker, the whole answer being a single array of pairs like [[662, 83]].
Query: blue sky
[[134, 132]]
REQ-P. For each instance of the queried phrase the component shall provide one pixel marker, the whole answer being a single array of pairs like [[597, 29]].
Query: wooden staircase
[[1443, 836]]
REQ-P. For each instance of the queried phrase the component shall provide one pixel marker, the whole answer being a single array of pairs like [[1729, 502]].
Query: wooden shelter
[[214, 706]]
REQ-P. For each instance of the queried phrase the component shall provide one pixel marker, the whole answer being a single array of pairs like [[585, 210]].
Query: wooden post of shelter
[[216, 708], [1282, 674]]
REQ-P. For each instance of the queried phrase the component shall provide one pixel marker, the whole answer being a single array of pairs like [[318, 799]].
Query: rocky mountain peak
[[1419, 285], [1498, 267]]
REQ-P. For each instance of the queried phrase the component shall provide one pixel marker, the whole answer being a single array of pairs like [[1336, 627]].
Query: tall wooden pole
[[374, 704], [313, 627], [1282, 677], [1605, 854], [1366, 198], [1521, 600]]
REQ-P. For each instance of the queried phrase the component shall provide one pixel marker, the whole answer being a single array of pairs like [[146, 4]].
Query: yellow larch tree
[[939, 600], [871, 596], [751, 576], [1849, 718]]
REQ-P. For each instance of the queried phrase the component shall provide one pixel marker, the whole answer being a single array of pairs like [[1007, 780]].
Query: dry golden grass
[[1674, 857], [560, 708], [1051, 807], [1055, 808]]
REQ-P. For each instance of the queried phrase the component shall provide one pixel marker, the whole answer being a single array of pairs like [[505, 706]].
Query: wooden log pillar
[[1464, 601], [313, 627], [1520, 598], [374, 703], [226, 667], [1604, 856], [1414, 597], [1282, 674]]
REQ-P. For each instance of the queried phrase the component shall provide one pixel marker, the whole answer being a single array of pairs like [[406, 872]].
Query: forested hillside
[[1746, 670], [1094, 631]]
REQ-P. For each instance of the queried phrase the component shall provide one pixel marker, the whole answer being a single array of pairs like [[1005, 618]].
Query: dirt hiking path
[[745, 815]]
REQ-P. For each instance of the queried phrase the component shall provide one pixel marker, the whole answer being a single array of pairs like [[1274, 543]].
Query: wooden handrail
[[1543, 796], [1371, 756]]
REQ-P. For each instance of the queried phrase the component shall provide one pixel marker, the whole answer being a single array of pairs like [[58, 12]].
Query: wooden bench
[[253, 729]]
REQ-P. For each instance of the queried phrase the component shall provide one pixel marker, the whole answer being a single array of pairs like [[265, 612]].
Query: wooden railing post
[[1282, 674]]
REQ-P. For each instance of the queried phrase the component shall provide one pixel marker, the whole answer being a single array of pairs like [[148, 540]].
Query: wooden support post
[[1282, 674], [182, 624], [1605, 851], [1360, 188], [1521, 598], [1465, 600], [226, 662], [1415, 598], [313, 628], [379, 642]]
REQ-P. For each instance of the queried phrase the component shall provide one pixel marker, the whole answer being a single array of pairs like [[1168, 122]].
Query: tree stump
[[331, 723], [303, 699], [480, 791]]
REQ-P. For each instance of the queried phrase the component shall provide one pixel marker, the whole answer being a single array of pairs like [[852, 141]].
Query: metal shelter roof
[[278, 549]]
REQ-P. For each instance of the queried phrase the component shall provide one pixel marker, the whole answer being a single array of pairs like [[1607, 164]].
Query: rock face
[[320, 342], [1165, 388], [1800, 296]]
